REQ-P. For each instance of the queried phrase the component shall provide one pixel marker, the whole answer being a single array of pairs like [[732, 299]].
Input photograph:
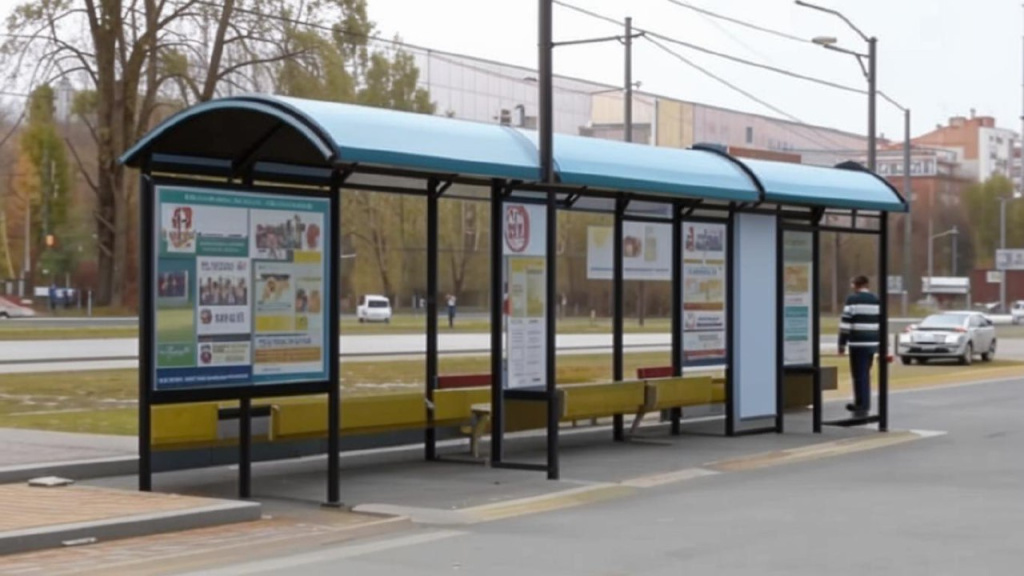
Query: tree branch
[[81, 167]]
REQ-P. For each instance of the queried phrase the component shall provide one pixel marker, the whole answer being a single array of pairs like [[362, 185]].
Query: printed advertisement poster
[[704, 293], [240, 289], [526, 336], [525, 229], [646, 252], [798, 317]]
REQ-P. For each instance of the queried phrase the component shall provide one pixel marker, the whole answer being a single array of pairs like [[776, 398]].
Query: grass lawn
[[104, 402]]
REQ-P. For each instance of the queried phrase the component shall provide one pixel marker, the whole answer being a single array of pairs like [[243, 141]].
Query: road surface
[[946, 504]]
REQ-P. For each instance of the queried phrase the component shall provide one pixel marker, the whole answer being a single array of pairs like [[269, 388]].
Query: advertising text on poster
[[797, 294], [704, 293], [240, 286], [646, 252], [525, 268]]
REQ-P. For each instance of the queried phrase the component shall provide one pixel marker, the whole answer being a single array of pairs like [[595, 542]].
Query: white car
[[1017, 311], [10, 309], [949, 335], [373, 308]]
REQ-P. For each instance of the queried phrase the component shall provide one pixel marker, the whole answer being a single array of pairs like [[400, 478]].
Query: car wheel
[[991, 354], [362, 320], [4, 316], [968, 356], [907, 361]]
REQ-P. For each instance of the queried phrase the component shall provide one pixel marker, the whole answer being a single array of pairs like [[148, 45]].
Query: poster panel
[[241, 286], [526, 328], [756, 300], [704, 293], [525, 271], [798, 316], [646, 252]]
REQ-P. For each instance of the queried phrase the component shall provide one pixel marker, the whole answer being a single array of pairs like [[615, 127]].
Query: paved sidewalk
[[36, 517], [19, 447]]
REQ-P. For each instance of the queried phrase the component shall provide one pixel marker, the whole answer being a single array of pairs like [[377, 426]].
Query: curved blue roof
[[671, 172], [818, 186], [232, 133]]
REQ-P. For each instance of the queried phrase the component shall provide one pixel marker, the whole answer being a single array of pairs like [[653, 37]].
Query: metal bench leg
[[636, 422]]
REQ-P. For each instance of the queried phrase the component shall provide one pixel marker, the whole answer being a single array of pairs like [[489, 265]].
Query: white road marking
[[330, 555]]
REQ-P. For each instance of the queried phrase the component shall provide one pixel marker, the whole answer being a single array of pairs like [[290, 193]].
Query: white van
[[374, 308], [10, 309]]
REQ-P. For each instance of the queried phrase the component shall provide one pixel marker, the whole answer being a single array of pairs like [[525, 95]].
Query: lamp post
[[931, 242], [908, 194], [869, 70]]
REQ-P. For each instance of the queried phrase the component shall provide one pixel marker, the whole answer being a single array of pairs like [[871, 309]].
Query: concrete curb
[[74, 469], [32, 539]]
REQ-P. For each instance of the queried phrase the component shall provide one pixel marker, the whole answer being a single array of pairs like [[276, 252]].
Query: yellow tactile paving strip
[[23, 507]]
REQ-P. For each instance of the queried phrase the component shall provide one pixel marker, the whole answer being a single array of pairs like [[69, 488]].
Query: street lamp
[[951, 232], [1002, 246], [829, 42]]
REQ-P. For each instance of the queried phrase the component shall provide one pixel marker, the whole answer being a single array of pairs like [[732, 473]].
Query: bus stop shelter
[[240, 227]]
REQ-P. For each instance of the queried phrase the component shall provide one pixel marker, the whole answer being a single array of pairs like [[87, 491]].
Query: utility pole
[[628, 112], [908, 221]]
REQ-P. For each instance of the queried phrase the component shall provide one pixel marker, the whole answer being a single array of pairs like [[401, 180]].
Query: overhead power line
[[739, 22], [738, 60], [826, 143]]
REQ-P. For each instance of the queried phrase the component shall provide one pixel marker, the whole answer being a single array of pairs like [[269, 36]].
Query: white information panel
[[754, 343], [646, 252], [798, 317], [525, 241]]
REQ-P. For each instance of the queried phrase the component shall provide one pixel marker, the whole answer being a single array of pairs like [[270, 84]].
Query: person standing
[[859, 330], [451, 310]]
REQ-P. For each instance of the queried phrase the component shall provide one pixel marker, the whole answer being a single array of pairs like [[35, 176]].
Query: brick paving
[[30, 507]]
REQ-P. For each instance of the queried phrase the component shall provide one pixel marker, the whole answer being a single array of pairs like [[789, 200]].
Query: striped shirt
[[859, 325]]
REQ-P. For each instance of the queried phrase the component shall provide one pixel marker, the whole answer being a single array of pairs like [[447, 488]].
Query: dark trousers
[[451, 316], [861, 358]]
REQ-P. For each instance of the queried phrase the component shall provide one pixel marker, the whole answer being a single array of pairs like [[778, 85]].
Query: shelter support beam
[[430, 434]]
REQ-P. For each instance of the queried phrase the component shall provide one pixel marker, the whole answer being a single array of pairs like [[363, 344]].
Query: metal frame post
[[816, 331], [245, 448], [730, 324], [618, 338], [497, 315], [677, 307], [334, 349], [147, 314], [883, 349], [551, 318], [430, 434]]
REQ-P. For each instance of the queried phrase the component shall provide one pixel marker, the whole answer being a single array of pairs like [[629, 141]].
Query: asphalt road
[[946, 505]]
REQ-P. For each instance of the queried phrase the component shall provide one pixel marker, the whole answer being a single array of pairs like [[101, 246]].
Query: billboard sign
[[1010, 259], [240, 289], [646, 252]]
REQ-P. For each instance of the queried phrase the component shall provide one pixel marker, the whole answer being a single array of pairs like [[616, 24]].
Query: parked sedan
[[949, 335]]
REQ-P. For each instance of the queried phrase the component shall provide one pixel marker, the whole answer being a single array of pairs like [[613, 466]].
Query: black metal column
[[618, 339], [552, 318], [245, 448], [334, 351], [497, 316], [677, 307], [883, 328], [430, 434], [147, 316], [730, 321], [545, 85], [816, 330]]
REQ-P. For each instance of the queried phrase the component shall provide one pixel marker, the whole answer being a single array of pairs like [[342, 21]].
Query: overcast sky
[[939, 57]]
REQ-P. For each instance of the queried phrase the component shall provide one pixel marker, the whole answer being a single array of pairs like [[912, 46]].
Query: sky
[[940, 58]]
